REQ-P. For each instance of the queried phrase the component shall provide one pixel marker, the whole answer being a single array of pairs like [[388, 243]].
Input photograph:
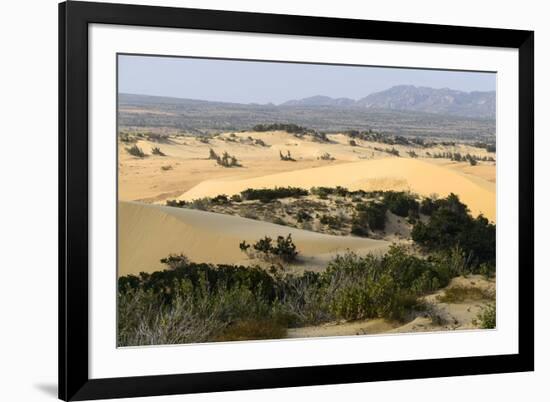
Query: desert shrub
[[289, 128], [145, 319], [126, 137], [213, 155], [370, 287], [413, 216], [412, 154], [286, 157], [371, 215], [236, 198], [391, 151], [176, 203], [203, 139], [326, 191], [450, 263], [284, 250], [326, 157], [221, 199], [331, 221], [250, 215], [202, 204], [166, 167], [260, 142], [486, 269], [487, 318], [225, 277], [459, 294], [279, 221], [427, 206], [251, 329], [227, 160], [359, 229], [400, 202], [157, 151], [451, 225], [303, 216], [268, 195], [175, 260], [136, 151], [190, 302], [156, 137], [353, 143]]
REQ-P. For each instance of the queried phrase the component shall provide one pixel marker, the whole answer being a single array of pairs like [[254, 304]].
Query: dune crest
[[381, 174], [147, 233]]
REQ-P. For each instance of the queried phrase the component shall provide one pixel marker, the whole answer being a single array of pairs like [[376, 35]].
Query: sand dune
[[148, 233], [382, 174]]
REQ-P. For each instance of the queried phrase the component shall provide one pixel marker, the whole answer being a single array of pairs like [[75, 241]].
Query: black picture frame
[[74, 381]]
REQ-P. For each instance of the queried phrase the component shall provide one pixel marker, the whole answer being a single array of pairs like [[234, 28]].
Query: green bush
[[289, 128], [303, 216], [338, 191], [176, 203], [221, 199], [236, 198], [284, 249], [268, 195], [427, 206], [371, 215], [358, 229], [488, 317], [202, 204], [333, 222], [400, 203], [452, 225], [190, 302]]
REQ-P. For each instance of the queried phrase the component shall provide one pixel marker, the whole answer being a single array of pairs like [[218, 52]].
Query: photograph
[[263, 200]]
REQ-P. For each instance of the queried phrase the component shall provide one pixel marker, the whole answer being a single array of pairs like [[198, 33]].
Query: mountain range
[[401, 110], [445, 101]]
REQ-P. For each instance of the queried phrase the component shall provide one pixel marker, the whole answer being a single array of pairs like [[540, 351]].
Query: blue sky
[[264, 82]]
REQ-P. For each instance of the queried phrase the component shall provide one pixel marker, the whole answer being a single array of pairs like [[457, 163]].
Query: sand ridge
[[380, 174], [147, 233]]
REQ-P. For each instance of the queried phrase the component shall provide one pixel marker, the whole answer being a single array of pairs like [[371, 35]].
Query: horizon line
[[306, 97]]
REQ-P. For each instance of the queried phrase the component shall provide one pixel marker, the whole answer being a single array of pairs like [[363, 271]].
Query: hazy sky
[[263, 82]]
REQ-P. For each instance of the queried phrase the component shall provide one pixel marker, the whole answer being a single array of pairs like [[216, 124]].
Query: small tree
[[157, 151], [227, 160], [213, 155], [284, 250], [286, 157], [136, 151]]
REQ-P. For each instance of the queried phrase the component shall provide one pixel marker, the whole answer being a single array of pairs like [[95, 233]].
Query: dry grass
[[252, 330], [460, 294]]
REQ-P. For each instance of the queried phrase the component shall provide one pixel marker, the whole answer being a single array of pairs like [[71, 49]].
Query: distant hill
[[400, 110], [415, 99], [320, 101], [429, 100]]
